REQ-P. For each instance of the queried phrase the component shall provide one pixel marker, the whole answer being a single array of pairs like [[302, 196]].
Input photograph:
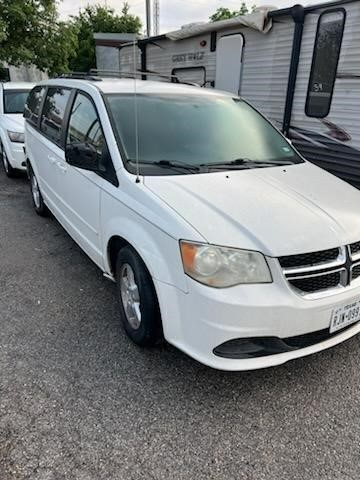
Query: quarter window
[[325, 62], [53, 113], [33, 103]]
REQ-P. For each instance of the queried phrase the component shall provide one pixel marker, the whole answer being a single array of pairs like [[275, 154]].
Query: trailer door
[[228, 63]]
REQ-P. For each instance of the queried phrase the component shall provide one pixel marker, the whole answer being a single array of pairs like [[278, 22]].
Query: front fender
[[159, 251]]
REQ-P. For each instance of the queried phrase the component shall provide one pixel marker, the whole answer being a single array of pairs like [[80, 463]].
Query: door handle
[[51, 159], [62, 167]]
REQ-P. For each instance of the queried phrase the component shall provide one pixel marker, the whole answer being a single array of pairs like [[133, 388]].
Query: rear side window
[[33, 103], [324, 63], [53, 113]]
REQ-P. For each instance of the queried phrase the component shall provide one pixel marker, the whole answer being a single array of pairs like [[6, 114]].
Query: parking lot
[[79, 401]]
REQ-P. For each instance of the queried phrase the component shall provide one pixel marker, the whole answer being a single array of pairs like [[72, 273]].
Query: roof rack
[[96, 74], [80, 76]]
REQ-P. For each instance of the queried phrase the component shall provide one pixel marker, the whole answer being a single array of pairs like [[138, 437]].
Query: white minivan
[[222, 239], [13, 96]]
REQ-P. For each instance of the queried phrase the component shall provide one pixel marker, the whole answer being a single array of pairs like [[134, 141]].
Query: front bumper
[[199, 321], [16, 155]]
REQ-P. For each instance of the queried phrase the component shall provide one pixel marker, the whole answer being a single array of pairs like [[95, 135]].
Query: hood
[[14, 122], [277, 210]]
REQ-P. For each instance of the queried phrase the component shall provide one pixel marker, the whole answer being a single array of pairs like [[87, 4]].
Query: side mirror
[[82, 155]]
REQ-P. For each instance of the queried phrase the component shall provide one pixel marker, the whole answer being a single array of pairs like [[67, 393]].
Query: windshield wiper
[[168, 164], [237, 161], [246, 163]]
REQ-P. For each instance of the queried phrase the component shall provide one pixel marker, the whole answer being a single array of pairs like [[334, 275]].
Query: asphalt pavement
[[79, 401]]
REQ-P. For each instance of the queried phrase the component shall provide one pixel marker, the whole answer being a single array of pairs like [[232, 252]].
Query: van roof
[[125, 85]]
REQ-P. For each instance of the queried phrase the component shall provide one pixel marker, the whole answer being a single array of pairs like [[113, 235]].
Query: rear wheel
[[9, 170], [139, 306], [38, 201]]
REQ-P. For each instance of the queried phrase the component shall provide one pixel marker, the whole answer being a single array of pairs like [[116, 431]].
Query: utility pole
[[148, 18], [156, 17]]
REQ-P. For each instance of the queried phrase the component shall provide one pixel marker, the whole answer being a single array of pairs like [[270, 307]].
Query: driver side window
[[84, 124], [84, 127]]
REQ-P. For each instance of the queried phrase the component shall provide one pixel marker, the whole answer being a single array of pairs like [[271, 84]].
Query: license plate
[[344, 316]]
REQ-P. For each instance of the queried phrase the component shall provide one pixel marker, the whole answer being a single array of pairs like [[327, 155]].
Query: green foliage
[[30, 33], [224, 13], [98, 19]]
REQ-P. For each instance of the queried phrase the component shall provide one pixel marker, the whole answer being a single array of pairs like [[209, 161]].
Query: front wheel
[[37, 198], [9, 170], [139, 306]]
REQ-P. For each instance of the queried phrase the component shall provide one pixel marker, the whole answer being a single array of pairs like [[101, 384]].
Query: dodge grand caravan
[[12, 101], [222, 239]]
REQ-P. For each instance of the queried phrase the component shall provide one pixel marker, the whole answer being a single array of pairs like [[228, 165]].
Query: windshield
[[14, 100], [197, 131]]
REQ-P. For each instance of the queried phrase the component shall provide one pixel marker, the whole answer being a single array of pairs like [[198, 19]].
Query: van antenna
[[136, 118]]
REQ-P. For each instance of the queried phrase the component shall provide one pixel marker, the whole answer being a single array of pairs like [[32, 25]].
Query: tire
[[139, 307], [37, 199], [8, 169]]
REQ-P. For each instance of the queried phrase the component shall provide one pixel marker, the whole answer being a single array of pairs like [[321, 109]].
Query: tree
[[96, 19], [224, 13], [30, 33]]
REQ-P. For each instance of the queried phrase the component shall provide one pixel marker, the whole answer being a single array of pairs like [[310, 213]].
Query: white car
[[13, 96], [220, 236]]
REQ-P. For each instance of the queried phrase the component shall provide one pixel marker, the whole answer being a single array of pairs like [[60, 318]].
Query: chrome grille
[[355, 250], [317, 282], [322, 273], [306, 259], [355, 272]]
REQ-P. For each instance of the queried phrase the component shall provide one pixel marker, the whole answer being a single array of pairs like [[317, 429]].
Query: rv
[[300, 66]]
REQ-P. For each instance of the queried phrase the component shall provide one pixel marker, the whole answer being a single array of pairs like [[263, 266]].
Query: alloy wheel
[[5, 160], [130, 297], [35, 191]]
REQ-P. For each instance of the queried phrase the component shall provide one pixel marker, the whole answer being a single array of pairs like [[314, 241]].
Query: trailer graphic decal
[[191, 56]]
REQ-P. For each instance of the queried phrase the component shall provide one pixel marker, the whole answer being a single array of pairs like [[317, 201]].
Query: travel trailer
[[300, 66]]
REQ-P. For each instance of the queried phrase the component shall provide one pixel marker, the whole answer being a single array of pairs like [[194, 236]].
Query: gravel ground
[[78, 401]]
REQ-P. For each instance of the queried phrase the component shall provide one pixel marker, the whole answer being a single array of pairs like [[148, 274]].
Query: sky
[[173, 13]]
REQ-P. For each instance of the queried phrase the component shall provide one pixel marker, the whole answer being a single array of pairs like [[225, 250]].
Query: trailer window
[[324, 63], [191, 74]]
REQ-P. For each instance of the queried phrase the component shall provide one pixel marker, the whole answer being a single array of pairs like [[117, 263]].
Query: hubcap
[[130, 296], [35, 191]]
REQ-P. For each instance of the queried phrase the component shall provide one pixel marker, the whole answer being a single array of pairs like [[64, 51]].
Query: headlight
[[16, 137], [223, 267]]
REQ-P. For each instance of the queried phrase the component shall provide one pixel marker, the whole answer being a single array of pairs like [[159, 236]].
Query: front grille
[[356, 272], [326, 270], [308, 259], [355, 248], [316, 283]]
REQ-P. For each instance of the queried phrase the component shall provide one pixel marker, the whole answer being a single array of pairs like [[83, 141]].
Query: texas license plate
[[344, 316]]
